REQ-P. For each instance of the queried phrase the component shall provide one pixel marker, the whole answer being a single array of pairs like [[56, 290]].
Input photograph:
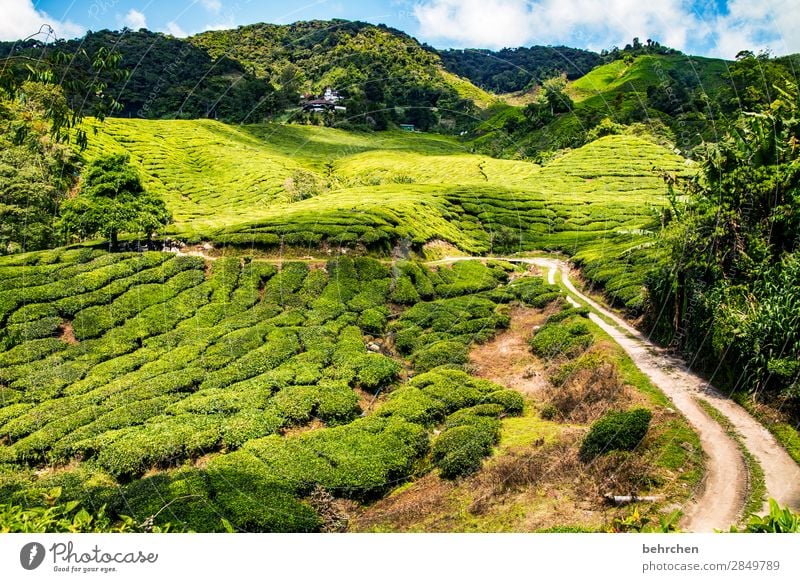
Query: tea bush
[[459, 451], [616, 431], [440, 353], [175, 359], [567, 338]]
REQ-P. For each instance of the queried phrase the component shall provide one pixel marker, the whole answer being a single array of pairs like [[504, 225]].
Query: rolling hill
[[276, 186], [259, 71], [676, 96]]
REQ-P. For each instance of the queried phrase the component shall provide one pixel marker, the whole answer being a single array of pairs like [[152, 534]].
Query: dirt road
[[720, 502]]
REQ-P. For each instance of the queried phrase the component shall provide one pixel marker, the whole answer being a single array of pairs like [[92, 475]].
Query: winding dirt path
[[720, 502]]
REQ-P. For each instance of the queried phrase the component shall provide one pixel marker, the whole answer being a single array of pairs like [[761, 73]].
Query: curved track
[[721, 501]]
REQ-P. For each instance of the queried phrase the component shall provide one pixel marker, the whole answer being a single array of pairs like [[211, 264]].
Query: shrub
[[488, 424], [177, 497], [439, 354], [372, 295], [376, 370], [466, 277], [223, 279], [420, 276], [248, 497], [337, 403], [548, 411], [163, 440], [250, 424], [407, 338], [530, 290], [511, 401], [615, 431], [459, 451], [64, 517], [493, 410], [561, 339], [281, 289], [413, 405], [31, 330], [373, 321], [566, 313], [296, 403], [779, 520], [542, 300], [404, 292]]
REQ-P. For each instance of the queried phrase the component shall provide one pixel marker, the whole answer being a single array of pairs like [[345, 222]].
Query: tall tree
[[112, 201]]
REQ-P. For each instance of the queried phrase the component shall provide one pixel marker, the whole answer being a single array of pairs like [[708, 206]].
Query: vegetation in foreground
[[592, 427], [233, 389]]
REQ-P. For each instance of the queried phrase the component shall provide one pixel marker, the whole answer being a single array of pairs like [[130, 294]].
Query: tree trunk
[[113, 239]]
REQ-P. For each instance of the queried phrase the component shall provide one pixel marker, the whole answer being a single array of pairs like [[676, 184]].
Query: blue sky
[[705, 27]]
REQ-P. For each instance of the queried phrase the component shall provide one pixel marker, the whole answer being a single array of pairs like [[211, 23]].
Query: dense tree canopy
[[112, 200], [35, 169], [732, 283], [515, 69]]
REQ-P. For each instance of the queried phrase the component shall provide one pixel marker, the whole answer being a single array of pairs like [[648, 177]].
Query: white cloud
[[476, 23], [212, 5], [499, 23], [20, 20], [597, 25], [226, 24], [175, 30], [756, 26], [135, 20]]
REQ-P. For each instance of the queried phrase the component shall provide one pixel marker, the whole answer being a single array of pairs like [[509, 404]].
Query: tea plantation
[[275, 186], [185, 389]]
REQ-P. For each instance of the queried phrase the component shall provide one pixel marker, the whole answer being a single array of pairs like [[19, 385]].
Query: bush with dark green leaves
[[179, 497], [373, 321], [616, 431], [568, 338], [467, 277], [459, 451], [440, 354], [404, 292], [533, 291], [376, 370], [251, 500], [511, 401]]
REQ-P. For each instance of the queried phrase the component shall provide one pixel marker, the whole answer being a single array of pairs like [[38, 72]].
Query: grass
[[523, 431], [756, 487], [786, 434]]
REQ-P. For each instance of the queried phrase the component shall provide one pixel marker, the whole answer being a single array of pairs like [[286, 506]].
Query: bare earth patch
[[507, 360], [66, 334]]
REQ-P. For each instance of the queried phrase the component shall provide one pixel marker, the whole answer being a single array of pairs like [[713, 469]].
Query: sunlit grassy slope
[[619, 91], [619, 76], [239, 185]]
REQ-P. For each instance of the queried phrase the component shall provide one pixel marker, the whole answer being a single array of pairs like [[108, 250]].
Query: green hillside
[[682, 98], [275, 186], [516, 69], [260, 71], [129, 379]]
